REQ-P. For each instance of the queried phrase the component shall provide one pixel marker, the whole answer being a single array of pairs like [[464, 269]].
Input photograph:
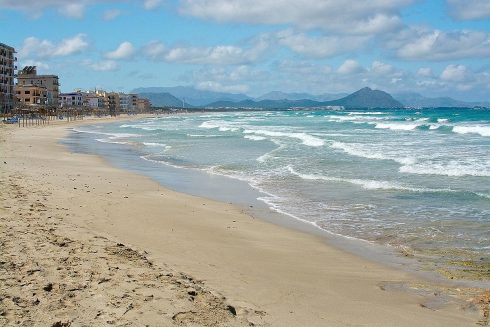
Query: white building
[[73, 99], [93, 100]]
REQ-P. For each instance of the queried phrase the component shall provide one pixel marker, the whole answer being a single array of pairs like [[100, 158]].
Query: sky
[[435, 48]]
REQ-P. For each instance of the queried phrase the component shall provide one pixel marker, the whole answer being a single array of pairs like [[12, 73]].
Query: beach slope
[[84, 243]]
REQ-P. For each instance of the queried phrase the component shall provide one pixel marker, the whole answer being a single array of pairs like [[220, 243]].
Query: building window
[[27, 92]]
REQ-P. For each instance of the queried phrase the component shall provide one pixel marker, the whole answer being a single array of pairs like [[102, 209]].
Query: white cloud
[[218, 87], [103, 66], [348, 16], [212, 55], [111, 14], [221, 54], [152, 4], [72, 10], [350, 67], [436, 45], [154, 50], [469, 9], [234, 79], [455, 73], [317, 78], [124, 51], [381, 68], [35, 7], [320, 46], [44, 48], [424, 72]]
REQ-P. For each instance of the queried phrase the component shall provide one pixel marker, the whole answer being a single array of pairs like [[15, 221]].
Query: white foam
[[354, 119], [109, 140], [442, 120], [255, 137], [204, 135], [152, 144], [269, 155], [221, 125], [483, 130], [360, 150], [452, 168], [147, 158], [306, 139], [366, 113], [111, 135], [366, 183], [397, 126]]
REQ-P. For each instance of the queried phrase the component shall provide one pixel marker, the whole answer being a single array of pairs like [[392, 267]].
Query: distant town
[[25, 91]]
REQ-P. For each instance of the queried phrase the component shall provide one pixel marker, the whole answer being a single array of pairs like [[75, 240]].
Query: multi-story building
[[72, 99], [31, 95], [143, 105], [28, 76], [128, 102], [113, 103], [133, 98], [93, 100], [125, 102], [7, 75]]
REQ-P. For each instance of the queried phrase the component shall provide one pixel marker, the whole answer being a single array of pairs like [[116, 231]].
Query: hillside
[[364, 98], [192, 95], [416, 100], [163, 100], [368, 98]]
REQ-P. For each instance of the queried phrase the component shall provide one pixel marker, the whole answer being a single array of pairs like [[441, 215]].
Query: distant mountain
[[367, 98], [265, 104], [416, 100], [192, 95], [364, 98], [329, 96], [163, 100], [278, 95]]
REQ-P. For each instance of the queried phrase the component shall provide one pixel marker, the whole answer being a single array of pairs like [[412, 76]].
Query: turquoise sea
[[414, 180]]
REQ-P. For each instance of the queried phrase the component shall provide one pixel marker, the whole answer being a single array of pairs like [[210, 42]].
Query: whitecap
[[306, 139], [366, 183], [360, 150], [152, 144], [109, 140], [483, 130], [396, 126], [254, 137], [452, 168]]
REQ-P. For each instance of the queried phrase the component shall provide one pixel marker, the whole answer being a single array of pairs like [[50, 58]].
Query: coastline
[[273, 275]]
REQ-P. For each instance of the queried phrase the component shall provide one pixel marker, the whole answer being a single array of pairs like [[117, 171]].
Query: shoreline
[[277, 276], [222, 188]]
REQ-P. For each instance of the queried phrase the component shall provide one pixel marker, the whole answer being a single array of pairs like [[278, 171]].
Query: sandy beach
[[87, 244]]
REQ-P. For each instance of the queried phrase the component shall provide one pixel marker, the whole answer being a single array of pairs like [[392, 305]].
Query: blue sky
[[436, 48]]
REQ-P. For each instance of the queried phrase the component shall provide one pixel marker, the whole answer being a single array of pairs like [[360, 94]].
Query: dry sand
[[86, 244]]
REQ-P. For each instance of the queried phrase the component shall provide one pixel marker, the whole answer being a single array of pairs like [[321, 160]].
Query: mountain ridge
[[174, 96], [363, 98]]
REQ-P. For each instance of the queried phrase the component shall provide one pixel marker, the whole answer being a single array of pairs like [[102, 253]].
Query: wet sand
[[84, 243]]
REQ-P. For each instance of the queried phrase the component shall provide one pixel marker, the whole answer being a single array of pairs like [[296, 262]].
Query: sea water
[[417, 180]]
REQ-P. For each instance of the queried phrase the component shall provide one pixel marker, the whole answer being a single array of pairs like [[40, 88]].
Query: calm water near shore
[[415, 180]]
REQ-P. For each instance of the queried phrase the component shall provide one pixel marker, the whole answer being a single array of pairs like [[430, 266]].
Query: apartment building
[[72, 99], [93, 100], [7, 75], [143, 105], [113, 103], [31, 95], [28, 76]]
